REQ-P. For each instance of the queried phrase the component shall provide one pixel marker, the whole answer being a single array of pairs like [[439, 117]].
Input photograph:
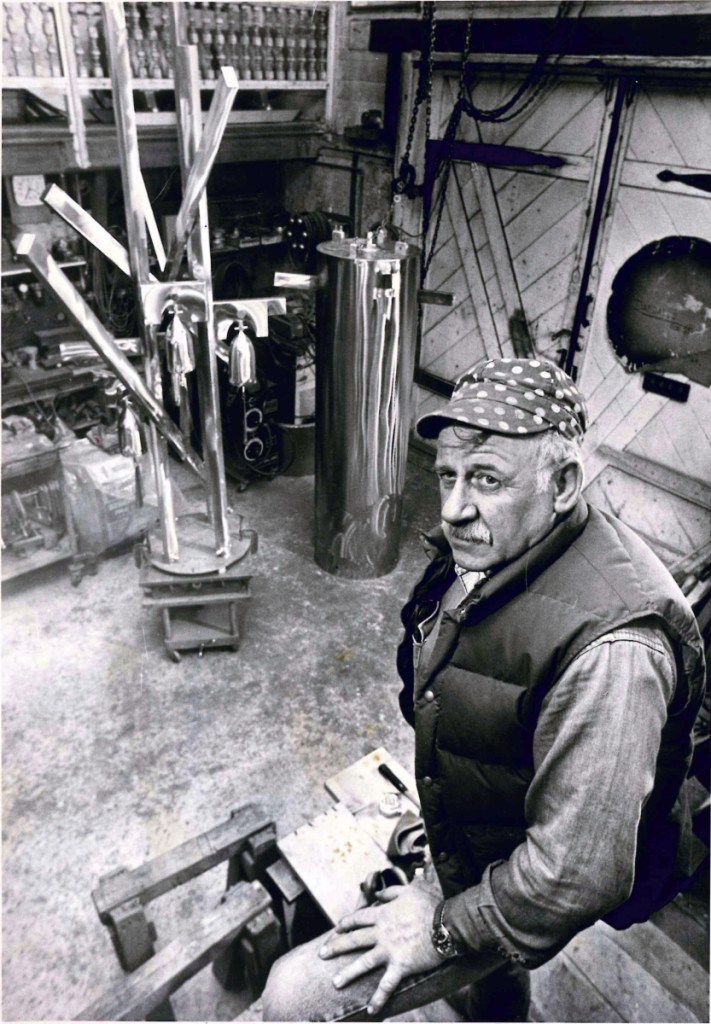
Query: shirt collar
[[469, 578]]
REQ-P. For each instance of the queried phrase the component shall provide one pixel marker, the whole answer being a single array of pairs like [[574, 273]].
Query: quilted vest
[[496, 657]]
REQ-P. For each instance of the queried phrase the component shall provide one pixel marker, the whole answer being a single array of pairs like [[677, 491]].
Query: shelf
[[14, 565], [49, 146], [61, 49], [157, 84], [27, 387], [15, 269]]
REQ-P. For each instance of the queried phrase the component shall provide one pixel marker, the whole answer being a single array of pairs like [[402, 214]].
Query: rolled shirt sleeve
[[595, 749]]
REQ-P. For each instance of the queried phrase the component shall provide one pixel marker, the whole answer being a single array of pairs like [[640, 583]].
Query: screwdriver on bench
[[390, 775]]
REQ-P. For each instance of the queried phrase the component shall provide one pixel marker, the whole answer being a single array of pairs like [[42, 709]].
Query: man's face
[[492, 509]]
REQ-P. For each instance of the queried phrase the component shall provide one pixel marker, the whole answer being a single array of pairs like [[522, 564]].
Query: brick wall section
[[359, 75]]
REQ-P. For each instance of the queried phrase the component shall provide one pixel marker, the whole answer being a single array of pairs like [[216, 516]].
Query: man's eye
[[487, 481]]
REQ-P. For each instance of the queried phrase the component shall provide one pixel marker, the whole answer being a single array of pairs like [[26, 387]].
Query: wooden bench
[[247, 841], [280, 893]]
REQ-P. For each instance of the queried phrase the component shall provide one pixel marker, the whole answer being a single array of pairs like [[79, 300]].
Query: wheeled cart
[[199, 611]]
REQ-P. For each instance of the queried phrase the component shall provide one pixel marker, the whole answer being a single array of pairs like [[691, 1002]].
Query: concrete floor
[[113, 754]]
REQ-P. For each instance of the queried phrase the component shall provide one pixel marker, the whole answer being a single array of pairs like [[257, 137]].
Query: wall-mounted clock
[[24, 198], [27, 189]]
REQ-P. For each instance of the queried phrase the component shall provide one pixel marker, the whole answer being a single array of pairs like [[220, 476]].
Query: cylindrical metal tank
[[367, 320]]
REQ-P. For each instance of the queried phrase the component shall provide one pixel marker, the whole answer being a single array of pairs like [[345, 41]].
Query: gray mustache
[[472, 531]]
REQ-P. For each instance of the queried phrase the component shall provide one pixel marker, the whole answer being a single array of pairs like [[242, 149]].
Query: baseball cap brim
[[433, 423]]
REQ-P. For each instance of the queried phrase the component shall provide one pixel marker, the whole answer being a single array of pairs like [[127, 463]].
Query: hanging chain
[[404, 184], [428, 87], [449, 138]]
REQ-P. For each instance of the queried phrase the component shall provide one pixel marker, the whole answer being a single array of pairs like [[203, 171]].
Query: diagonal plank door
[[670, 129], [510, 238]]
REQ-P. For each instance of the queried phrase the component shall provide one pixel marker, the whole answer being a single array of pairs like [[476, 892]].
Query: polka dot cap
[[512, 396]]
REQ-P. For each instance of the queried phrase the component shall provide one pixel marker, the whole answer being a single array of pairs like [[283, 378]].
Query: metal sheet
[[83, 223]]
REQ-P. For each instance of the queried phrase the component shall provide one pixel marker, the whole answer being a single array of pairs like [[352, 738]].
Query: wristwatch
[[443, 942]]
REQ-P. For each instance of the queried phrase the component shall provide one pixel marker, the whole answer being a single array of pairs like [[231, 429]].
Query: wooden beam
[[503, 263], [685, 69], [664, 477], [134, 997], [75, 111], [171, 869], [680, 975], [687, 928], [671, 35], [611, 147], [641, 174], [492, 334]]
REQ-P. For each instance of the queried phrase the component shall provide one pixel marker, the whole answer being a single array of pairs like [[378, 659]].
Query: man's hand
[[395, 932]]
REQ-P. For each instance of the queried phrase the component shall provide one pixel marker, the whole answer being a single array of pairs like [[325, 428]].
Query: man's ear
[[568, 485]]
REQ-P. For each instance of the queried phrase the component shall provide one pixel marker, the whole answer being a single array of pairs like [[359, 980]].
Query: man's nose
[[457, 505]]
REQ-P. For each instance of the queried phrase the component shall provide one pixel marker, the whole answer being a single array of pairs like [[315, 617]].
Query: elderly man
[[552, 672]]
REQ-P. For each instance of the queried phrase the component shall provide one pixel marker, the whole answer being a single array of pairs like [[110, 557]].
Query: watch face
[[27, 189], [443, 942]]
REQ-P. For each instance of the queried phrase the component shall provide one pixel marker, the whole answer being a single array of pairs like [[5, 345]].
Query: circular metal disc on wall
[[659, 311]]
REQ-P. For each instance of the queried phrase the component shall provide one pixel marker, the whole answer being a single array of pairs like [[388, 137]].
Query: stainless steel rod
[[151, 224], [204, 158], [134, 191], [189, 127], [33, 252], [84, 224]]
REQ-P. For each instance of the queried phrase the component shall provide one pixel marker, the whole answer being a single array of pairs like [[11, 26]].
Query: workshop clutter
[[101, 492], [33, 515]]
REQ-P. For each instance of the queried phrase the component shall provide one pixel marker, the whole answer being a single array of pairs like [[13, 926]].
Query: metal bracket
[[191, 295], [256, 311]]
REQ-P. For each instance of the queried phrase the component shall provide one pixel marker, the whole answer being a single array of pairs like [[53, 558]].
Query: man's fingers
[[388, 983], [391, 893], [336, 945], [358, 919], [368, 962]]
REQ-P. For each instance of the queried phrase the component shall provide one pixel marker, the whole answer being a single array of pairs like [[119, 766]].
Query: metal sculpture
[[208, 544]]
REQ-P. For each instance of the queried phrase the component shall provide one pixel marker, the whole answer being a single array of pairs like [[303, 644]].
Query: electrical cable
[[164, 188]]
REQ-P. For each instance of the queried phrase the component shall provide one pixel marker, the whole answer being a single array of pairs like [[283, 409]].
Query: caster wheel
[[174, 656], [76, 576]]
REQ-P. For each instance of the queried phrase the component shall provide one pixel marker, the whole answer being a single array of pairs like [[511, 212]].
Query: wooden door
[[648, 457], [512, 245]]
